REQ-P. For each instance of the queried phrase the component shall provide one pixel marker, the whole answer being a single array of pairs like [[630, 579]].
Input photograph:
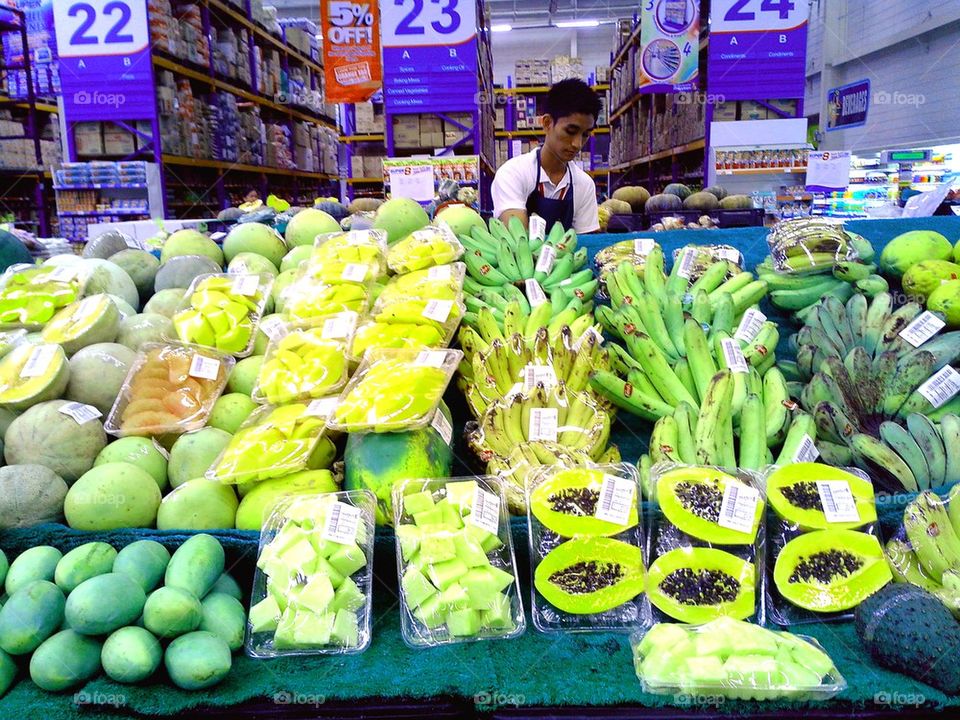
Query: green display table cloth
[[534, 670]]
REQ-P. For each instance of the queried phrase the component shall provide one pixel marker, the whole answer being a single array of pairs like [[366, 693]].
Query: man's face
[[566, 136]]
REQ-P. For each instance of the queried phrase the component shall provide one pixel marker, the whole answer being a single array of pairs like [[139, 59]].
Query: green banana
[[652, 316], [685, 416], [664, 441], [748, 296], [753, 434], [950, 432], [657, 368], [834, 454], [928, 438], [801, 298], [724, 313], [711, 279], [654, 280], [702, 310], [802, 431], [714, 410], [776, 414], [673, 319], [902, 443], [931, 535], [699, 357], [868, 452], [877, 313], [682, 369], [628, 398], [905, 565]]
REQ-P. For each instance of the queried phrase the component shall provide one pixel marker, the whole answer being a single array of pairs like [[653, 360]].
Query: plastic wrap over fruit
[[455, 562], [339, 255], [732, 659], [170, 389], [810, 245], [440, 282], [308, 299], [395, 390], [695, 260], [30, 295], [523, 462], [586, 548], [633, 251], [433, 245], [306, 361], [312, 589]]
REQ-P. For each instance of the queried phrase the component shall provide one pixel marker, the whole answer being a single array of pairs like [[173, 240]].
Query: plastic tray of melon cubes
[[440, 282], [586, 553], [306, 361], [309, 299], [355, 256], [222, 312], [272, 442], [455, 559], [30, 295], [732, 659], [314, 580], [395, 390], [415, 322], [706, 544], [825, 555], [170, 389], [435, 245]]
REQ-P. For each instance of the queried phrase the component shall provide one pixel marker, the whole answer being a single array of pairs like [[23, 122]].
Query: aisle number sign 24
[[94, 28], [734, 15], [428, 22]]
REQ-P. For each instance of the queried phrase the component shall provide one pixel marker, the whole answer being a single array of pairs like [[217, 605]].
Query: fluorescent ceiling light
[[579, 24], [501, 28]]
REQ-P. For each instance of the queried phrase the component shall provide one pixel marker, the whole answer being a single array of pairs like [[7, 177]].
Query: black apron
[[551, 210]]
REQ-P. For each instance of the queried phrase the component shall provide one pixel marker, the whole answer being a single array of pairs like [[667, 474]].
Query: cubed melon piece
[[502, 578], [463, 623], [454, 598], [753, 640], [325, 568], [322, 547], [409, 538], [716, 644], [431, 613], [299, 556], [806, 654], [488, 541], [348, 597], [316, 595], [481, 587], [499, 614], [416, 588], [451, 515], [444, 574], [461, 494], [751, 670], [662, 636], [470, 551], [798, 678], [418, 502], [433, 516], [436, 548], [311, 629], [280, 588], [348, 559], [707, 670], [346, 629], [265, 615]]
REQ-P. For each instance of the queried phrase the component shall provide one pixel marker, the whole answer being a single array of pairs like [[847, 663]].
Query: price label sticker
[[442, 426], [272, 327], [643, 246], [343, 521], [941, 386], [218, 236], [354, 272], [750, 325], [538, 227], [837, 501], [733, 356], [440, 272], [322, 407], [87, 307], [617, 499], [358, 237], [438, 310], [38, 362], [237, 268], [535, 294], [687, 260], [205, 368], [485, 511], [431, 358], [729, 254], [63, 273], [338, 327], [738, 508], [548, 256], [807, 452], [80, 413], [543, 424], [590, 331], [923, 327], [534, 374], [161, 449], [245, 285]]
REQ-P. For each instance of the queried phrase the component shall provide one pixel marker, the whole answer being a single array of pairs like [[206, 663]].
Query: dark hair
[[570, 97]]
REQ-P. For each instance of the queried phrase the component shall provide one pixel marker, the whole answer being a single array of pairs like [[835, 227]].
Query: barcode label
[[643, 246], [245, 285], [440, 272], [339, 327], [533, 374], [442, 426], [354, 272], [538, 228], [80, 412], [807, 452], [617, 499], [206, 368], [38, 362], [733, 356], [535, 294], [322, 407], [161, 449], [64, 273], [87, 307], [342, 523], [485, 511], [237, 268], [218, 236], [438, 310], [687, 259], [543, 424], [358, 237], [435, 358], [730, 254], [750, 325], [941, 386], [739, 507], [923, 327], [548, 256], [837, 501], [272, 327]]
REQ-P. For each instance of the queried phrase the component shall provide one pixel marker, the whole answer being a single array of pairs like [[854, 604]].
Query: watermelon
[[190, 242], [461, 219], [107, 244]]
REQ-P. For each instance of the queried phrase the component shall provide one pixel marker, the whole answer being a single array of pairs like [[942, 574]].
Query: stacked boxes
[[429, 131], [369, 118], [533, 71], [564, 68], [179, 34]]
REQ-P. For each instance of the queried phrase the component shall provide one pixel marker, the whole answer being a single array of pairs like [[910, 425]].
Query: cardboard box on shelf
[[117, 141], [88, 138], [356, 166], [372, 167]]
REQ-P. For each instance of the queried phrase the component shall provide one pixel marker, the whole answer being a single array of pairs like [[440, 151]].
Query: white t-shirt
[[516, 179]]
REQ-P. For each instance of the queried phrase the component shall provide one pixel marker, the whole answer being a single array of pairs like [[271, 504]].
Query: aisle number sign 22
[[428, 22], [95, 28]]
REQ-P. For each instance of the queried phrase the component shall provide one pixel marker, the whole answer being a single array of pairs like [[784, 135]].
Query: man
[[545, 181]]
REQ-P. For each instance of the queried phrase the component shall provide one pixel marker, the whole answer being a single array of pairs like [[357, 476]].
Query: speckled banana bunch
[[907, 567], [934, 540]]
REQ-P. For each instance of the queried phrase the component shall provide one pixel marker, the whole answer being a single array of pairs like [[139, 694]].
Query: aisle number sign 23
[[94, 28], [744, 15], [428, 22]]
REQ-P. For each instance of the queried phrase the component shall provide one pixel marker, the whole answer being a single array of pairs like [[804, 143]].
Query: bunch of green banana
[[494, 317], [813, 245], [930, 555], [607, 260], [701, 258]]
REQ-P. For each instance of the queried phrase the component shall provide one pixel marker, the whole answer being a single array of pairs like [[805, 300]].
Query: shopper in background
[[546, 181]]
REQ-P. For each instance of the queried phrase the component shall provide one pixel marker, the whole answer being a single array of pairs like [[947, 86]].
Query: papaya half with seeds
[[831, 570], [567, 503], [585, 576], [793, 493], [692, 499], [697, 585]]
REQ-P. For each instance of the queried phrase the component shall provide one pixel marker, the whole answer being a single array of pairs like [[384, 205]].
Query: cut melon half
[[95, 319], [32, 374]]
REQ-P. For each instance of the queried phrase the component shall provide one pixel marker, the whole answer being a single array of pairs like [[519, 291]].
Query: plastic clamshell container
[[735, 660], [339, 257], [307, 298], [394, 390], [30, 295], [440, 282], [306, 361], [443, 316], [170, 389], [424, 248], [372, 334], [272, 442], [222, 311], [455, 562], [586, 515], [313, 585]]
